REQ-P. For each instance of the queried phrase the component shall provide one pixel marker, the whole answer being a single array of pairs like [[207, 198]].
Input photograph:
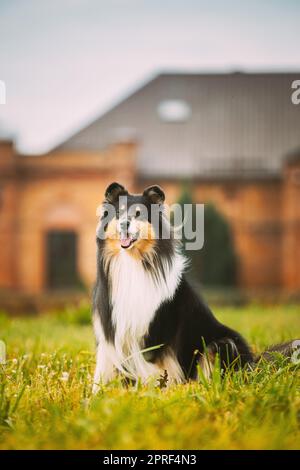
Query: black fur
[[187, 326], [101, 296]]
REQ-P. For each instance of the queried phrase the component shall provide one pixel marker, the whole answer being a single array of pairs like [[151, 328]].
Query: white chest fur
[[136, 295]]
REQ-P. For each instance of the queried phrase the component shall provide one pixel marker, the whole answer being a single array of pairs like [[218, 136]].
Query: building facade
[[230, 136], [48, 214]]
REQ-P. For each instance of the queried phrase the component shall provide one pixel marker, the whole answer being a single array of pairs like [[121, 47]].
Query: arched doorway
[[61, 247]]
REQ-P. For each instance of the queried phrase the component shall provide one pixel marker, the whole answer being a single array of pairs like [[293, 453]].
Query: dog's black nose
[[125, 225]]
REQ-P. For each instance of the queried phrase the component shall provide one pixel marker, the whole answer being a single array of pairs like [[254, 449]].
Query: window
[[174, 111]]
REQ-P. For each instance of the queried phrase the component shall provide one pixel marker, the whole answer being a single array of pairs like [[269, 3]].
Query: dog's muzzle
[[126, 237]]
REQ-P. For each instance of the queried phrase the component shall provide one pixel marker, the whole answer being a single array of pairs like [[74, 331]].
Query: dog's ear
[[155, 194], [113, 191]]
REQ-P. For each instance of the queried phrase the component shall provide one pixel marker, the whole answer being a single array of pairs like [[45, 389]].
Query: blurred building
[[234, 137], [48, 214]]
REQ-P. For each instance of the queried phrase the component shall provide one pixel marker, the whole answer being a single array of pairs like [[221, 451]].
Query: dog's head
[[131, 221]]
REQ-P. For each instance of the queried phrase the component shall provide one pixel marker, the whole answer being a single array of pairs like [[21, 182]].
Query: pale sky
[[65, 62]]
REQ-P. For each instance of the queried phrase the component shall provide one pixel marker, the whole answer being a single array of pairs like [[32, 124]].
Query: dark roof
[[240, 124]]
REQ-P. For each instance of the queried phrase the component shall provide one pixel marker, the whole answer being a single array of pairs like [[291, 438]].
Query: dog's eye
[[137, 213], [105, 214]]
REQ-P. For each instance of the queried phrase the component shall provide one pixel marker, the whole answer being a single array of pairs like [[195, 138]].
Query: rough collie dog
[[147, 319]]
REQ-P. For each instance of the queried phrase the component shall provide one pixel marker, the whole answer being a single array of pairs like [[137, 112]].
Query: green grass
[[46, 402]]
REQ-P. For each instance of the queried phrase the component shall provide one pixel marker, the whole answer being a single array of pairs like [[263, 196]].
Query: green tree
[[218, 258], [215, 263]]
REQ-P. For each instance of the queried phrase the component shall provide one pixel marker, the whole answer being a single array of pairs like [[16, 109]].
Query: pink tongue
[[125, 242]]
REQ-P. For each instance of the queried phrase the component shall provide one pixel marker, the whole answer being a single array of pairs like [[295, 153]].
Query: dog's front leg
[[104, 371]]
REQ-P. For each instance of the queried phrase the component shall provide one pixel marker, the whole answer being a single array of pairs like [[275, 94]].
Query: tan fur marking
[[144, 245]]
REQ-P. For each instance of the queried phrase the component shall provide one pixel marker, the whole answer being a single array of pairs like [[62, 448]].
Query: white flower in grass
[[65, 376]]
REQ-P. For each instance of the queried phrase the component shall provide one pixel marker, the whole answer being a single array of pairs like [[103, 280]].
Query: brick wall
[[58, 191], [61, 191], [291, 214], [8, 210]]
